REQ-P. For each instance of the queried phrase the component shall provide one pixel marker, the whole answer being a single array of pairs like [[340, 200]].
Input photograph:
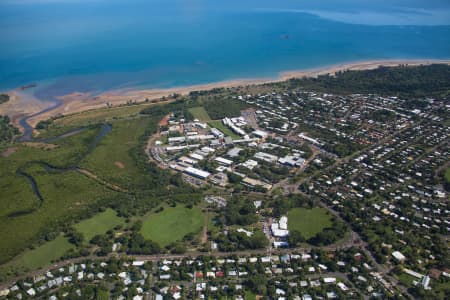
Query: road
[[158, 257]]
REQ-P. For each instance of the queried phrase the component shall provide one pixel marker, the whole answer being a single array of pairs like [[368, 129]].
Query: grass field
[[45, 254], [39, 257], [172, 224], [98, 224], [249, 295], [200, 113], [227, 131], [308, 221], [447, 175]]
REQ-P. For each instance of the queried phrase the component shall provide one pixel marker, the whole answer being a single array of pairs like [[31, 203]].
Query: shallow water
[[79, 45]]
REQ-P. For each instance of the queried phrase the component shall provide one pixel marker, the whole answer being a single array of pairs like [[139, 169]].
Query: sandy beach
[[22, 106]]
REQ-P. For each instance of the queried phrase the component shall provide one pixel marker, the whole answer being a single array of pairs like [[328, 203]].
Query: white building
[[224, 161], [260, 133], [266, 157], [398, 256], [283, 223], [197, 173]]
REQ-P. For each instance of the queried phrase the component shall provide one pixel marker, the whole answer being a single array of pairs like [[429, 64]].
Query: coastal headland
[[25, 107]]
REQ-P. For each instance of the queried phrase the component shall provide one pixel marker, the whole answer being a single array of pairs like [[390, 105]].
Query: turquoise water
[[82, 45]]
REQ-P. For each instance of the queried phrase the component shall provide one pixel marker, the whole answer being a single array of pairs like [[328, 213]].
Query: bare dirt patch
[[164, 121], [9, 151], [43, 146], [119, 164], [204, 237]]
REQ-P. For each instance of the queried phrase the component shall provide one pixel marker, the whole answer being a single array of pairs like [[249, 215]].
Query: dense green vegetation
[[382, 115], [405, 81], [235, 241], [239, 212], [172, 224], [63, 195], [4, 98], [66, 196], [7, 130], [221, 107], [447, 179], [112, 159]]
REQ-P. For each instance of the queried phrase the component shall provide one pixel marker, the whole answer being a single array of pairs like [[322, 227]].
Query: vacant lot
[[308, 221], [172, 224], [98, 224], [200, 113], [227, 131]]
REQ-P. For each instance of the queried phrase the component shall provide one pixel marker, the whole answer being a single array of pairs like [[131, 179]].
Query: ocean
[[65, 46]]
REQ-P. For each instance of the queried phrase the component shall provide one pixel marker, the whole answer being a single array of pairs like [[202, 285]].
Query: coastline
[[35, 110]]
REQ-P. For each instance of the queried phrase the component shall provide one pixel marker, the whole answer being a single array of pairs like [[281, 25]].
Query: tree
[[75, 238], [257, 284], [295, 238]]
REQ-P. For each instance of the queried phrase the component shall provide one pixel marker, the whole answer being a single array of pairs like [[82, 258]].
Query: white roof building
[[266, 157], [196, 156], [250, 164], [283, 223], [223, 161], [197, 173], [277, 232], [178, 139], [260, 133], [398, 256]]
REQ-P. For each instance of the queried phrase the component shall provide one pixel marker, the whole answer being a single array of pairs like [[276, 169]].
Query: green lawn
[[200, 113], [98, 224], [249, 295], [227, 131], [447, 175], [172, 224], [45, 254], [406, 280], [40, 257], [308, 221], [102, 294]]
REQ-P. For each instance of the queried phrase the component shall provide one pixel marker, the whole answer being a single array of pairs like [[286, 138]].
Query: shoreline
[[26, 107]]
